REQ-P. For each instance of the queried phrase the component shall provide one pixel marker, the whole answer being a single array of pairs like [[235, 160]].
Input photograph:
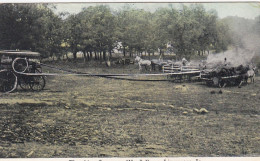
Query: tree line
[[98, 30]]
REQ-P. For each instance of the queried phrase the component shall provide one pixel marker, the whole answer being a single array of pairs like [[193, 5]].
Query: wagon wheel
[[8, 81], [24, 82], [37, 82], [20, 65]]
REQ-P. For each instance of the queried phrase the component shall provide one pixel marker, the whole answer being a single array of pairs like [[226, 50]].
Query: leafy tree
[[29, 27], [73, 34], [135, 30], [163, 18], [97, 30]]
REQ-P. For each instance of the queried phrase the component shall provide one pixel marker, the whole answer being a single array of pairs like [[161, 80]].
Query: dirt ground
[[97, 117]]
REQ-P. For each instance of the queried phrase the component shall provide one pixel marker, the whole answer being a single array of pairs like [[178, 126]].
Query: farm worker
[[184, 61], [225, 61], [160, 58]]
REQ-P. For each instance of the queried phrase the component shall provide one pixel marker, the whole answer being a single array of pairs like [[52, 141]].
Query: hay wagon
[[15, 67]]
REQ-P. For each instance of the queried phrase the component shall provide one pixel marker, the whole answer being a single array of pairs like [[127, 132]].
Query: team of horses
[[148, 64], [141, 62]]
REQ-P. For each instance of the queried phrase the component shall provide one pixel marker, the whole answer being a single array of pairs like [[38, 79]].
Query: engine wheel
[[38, 82], [24, 83], [8, 81]]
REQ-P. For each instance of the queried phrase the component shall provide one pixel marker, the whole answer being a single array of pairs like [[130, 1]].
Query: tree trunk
[[99, 55], [110, 54], [85, 57], [90, 55], [95, 55], [104, 55], [67, 55], [75, 55], [124, 51]]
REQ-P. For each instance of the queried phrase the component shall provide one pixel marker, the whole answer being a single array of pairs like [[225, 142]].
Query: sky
[[247, 10]]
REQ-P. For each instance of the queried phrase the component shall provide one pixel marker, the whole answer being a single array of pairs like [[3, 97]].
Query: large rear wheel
[[8, 81]]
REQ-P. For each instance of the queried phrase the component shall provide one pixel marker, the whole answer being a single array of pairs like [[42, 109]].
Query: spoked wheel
[[8, 81], [222, 83], [37, 82], [20, 65], [24, 82]]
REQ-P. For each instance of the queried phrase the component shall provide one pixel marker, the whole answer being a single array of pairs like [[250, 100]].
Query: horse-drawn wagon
[[15, 67]]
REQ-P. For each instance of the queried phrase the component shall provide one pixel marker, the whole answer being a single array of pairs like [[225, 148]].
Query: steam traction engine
[[16, 68]]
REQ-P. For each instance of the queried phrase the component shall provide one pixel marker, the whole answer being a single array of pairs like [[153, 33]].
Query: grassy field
[[99, 117]]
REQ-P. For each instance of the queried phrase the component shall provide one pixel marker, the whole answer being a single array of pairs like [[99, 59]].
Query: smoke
[[251, 41], [245, 38], [233, 58]]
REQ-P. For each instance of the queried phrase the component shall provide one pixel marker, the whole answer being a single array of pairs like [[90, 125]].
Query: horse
[[252, 71], [142, 62], [184, 62], [250, 74]]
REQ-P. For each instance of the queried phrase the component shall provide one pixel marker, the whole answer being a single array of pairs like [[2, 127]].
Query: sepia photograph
[[129, 79]]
